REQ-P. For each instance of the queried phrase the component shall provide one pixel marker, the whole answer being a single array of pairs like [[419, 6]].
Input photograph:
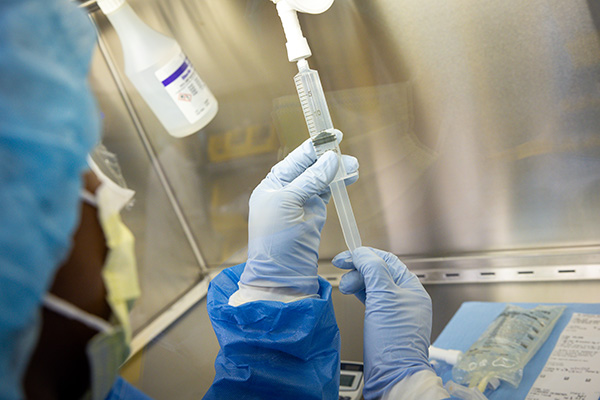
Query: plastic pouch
[[461, 392], [506, 346]]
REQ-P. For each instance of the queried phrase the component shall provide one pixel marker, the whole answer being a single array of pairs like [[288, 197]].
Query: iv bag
[[507, 345]]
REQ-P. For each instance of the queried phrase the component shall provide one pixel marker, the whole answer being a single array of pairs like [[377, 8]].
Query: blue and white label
[[185, 87]]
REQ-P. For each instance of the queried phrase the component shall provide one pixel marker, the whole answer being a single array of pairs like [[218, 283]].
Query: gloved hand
[[287, 214], [397, 316]]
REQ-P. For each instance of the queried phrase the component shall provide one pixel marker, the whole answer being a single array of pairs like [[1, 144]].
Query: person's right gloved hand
[[397, 317], [287, 214]]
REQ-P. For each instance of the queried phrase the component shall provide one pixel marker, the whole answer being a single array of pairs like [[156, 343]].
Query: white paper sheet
[[572, 371]]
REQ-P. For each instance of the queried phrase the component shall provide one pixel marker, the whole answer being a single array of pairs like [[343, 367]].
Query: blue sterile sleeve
[[273, 350]]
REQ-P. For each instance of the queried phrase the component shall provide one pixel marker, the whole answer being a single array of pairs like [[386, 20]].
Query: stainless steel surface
[[447, 299], [179, 365], [518, 266], [475, 122], [476, 125]]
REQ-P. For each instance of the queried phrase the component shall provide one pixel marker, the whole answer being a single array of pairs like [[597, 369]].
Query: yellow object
[[109, 348], [242, 142]]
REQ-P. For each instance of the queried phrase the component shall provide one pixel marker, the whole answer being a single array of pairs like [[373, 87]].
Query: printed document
[[572, 371]]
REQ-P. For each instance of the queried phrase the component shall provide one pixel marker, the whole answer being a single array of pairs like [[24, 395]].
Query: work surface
[[471, 320]]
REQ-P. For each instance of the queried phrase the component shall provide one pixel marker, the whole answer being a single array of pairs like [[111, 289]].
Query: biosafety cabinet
[[476, 124]]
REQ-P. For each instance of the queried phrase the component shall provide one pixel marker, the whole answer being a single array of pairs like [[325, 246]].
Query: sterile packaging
[[456, 390], [506, 346], [161, 72]]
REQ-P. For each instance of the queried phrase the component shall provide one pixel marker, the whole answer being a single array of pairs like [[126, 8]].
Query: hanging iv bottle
[[161, 72]]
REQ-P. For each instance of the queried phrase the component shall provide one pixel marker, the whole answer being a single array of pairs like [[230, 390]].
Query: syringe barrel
[[327, 141], [320, 128], [316, 114], [345, 214], [312, 99]]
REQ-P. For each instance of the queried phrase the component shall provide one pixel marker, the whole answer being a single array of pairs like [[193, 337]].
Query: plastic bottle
[[161, 72]]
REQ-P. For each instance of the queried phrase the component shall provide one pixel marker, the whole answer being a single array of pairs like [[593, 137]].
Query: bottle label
[[185, 87]]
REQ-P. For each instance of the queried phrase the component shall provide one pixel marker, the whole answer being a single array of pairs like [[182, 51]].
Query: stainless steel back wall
[[475, 122]]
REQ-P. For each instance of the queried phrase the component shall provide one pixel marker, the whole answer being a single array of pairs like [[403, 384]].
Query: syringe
[[320, 128]]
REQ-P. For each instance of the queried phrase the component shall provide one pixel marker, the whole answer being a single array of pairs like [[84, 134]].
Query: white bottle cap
[[298, 49], [308, 6], [297, 46], [108, 6]]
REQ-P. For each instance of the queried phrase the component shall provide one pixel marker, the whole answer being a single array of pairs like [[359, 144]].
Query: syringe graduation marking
[[310, 122]]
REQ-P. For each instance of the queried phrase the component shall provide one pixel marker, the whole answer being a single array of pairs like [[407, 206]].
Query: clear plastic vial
[[161, 72]]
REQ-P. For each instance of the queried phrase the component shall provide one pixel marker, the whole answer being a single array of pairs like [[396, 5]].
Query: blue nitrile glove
[[397, 316], [287, 214]]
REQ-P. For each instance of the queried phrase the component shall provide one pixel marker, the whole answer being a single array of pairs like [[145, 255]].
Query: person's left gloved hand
[[398, 318], [287, 214]]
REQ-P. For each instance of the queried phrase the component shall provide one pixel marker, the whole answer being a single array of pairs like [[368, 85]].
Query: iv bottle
[[161, 72]]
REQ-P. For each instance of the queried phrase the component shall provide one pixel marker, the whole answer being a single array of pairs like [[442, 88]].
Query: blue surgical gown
[[273, 350], [269, 350]]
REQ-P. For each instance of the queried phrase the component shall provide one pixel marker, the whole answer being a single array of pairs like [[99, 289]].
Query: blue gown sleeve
[[273, 350]]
